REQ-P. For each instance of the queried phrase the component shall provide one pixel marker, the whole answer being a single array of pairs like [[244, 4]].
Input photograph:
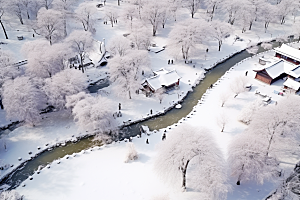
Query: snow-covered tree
[[80, 43], [62, 84], [223, 98], [119, 45], [131, 153], [267, 14], [140, 37], [211, 6], [129, 13], [10, 195], [126, 72], [222, 120], [246, 15], [49, 24], [248, 160], [2, 12], [7, 71], [47, 3], [26, 5], [185, 146], [94, 113], [22, 100], [112, 15], [232, 7], [192, 5], [247, 113], [220, 31], [85, 14], [15, 7], [238, 85], [284, 9], [40, 55], [160, 94], [174, 6], [184, 37], [152, 13], [65, 7]]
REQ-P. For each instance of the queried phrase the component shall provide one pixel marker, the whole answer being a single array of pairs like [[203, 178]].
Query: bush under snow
[[132, 153]]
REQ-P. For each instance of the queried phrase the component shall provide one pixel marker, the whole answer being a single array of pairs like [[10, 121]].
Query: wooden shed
[[288, 53]]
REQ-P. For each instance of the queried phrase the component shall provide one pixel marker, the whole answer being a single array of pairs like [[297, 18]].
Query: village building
[[276, 71], [291, 85], [288, 53], [162, 79]]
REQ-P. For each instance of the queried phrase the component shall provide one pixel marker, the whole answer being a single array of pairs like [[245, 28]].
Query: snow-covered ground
[[99, 173], [135, 180]]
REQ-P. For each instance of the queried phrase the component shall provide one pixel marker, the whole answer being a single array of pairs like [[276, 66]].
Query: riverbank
[[137, 179]]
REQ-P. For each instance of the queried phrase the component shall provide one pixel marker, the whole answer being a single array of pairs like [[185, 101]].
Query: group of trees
[[192, 148], [254, 154]]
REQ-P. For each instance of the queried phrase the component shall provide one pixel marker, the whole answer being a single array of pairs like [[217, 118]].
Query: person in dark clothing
[[163, 137], [246, 73], [147, 141], [151, 111], [168, 62], [172, 62], [119, 106]]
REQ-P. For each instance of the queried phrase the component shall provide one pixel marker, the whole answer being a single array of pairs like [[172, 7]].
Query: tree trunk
[[220, 44], [250, 25], [129, 94], [3, 29], [184, 174], [118, 2], [21, 20], [50, 39], [192, 14], [65, 27]]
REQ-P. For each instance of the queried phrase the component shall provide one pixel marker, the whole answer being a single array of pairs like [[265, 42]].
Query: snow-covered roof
[[290, 83], [288, 51], [163, 78], [277, 68], [160, 71], [295, 72]]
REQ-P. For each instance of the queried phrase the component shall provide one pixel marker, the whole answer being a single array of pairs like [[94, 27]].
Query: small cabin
[[277, 70], [291, 85], [288, 53], [162, 78]]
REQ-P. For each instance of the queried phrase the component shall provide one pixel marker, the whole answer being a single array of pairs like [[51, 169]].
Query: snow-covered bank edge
[[197, 81]]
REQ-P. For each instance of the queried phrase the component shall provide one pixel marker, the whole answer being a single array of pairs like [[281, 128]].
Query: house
[[291, 85], [288, 53], [277, 70], [162, 78]]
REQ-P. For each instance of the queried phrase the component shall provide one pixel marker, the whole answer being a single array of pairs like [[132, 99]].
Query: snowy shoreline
[[165, 111]]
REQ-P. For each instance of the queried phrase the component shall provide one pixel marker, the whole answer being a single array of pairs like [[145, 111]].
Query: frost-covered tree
[[22, 100], [119, 45], [15, 7], [223, 98], [49, 24], [160, 94], [192, 5], [284, 9], [131, 153], [248, 160], [7, 71], [65, 7], [47, 3], [2, 12], [152, 13], [126, 72], [63, 84], [187, 146], [93, 113], [211, 6], [85, 14], [174, 6], [42, 58], [222, 120], [267, 14], [80, 42], [232, 7], [112, 15], [247, 113], [184, 37], [10, 195], [140, 37], [238, 85], [130, 13], [26, 5], [220, 31]]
